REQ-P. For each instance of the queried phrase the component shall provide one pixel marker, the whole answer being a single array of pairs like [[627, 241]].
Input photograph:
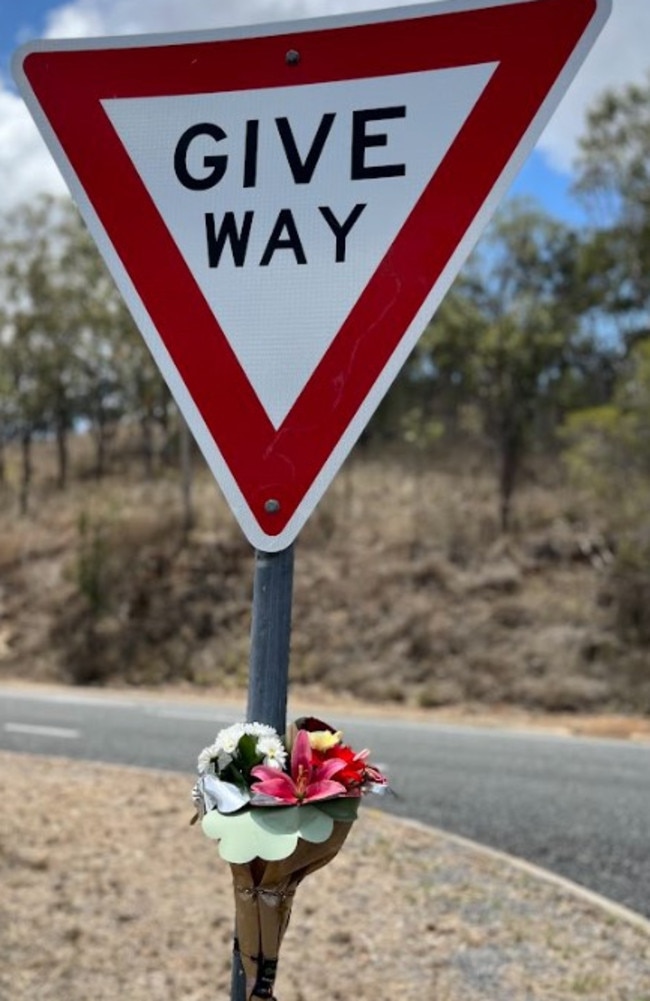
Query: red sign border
[[531, 40]]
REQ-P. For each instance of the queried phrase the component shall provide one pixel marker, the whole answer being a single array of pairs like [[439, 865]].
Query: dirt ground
[[108, 894]]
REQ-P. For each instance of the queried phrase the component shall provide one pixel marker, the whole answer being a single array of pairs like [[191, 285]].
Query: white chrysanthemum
[[275, 755], [260, 730], [216, 757], [228, 739], [206, 759]]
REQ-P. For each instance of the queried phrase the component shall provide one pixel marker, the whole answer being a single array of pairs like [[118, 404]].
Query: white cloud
[[621, 55], [81, 18], [25, 164]]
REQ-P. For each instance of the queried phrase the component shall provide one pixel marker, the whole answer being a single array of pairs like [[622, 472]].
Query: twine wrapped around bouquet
[[264, 895], [276, 823]]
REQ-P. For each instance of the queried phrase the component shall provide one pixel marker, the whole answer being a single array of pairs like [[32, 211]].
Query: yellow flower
[[322, 740]]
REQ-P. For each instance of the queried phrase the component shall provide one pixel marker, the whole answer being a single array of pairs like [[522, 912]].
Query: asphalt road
[[577, 806]]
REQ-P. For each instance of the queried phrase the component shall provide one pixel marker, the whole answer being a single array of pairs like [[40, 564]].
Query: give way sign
[[284, 206]]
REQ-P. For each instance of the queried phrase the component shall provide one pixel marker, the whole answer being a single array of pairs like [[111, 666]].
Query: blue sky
[[621, 55], [19, 19], [22, 15], [550, 187]]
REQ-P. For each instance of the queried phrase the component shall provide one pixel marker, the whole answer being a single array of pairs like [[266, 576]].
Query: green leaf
[[247, 753], [344, 809]]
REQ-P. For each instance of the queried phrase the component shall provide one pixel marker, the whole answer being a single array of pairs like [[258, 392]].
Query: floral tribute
[[279, 808]]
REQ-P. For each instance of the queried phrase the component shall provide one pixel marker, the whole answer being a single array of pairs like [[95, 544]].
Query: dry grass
[[109, 894], [405, 591]]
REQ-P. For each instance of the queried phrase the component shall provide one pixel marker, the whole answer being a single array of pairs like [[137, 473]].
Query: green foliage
[[507, 332], [630, 585], [614, 182], [610, 444], [419, 429], [239, 772], [609, 447], [608, 454], [69, 352], [595, 457], [92, 565]]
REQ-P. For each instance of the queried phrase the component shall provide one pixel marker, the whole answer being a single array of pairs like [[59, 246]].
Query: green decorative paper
[[271, 834]]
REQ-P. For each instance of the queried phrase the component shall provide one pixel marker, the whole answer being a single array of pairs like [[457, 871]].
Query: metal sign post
[[268, 667], [270, 638]]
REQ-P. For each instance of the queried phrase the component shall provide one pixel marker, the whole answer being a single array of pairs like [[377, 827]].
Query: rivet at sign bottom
[[292, 57], [271, 505]]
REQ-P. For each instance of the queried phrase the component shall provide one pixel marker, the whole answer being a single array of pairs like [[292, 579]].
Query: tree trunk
[[26, 477], [185, 447], [510, 456], [62, 454], [146, 429], [100, 436]]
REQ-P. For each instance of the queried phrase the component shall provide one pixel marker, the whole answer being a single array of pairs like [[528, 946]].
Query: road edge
[[618, 911]]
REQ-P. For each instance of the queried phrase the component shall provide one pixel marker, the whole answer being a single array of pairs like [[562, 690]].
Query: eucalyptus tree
[[610, 445], [71, 350], [91, 318], [36, 370], [510, 331], [115, 376], [613, 180]]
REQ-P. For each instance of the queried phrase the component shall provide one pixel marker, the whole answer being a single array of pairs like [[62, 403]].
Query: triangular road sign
[[283, 207]]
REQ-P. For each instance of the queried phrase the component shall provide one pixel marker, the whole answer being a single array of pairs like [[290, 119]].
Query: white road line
[[42, 731], [198, 715]]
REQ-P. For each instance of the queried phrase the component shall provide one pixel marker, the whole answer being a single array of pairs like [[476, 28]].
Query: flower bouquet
[[280, 808]]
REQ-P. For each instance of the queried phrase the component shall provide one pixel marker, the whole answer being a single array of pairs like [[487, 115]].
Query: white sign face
[[284, 208]]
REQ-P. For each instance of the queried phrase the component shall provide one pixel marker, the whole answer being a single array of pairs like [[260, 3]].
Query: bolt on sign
[[284, 206]]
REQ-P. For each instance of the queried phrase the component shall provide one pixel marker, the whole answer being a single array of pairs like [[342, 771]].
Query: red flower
[[310, 778], [353, 771]]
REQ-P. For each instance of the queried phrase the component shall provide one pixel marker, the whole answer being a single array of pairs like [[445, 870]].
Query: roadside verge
[[108, 893]]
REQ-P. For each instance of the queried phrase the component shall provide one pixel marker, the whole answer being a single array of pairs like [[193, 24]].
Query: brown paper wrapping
[[264, 893]]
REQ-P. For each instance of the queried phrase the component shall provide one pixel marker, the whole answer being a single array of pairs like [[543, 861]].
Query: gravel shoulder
[[108, 893]]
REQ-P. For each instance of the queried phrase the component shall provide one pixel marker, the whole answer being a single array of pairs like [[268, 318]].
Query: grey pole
[[270, 639], [268, 678]]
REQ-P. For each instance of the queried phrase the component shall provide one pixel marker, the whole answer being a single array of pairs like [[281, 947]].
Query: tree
[[509, 332], [609, 454], [48, 307], [613, 171], [71, 353]]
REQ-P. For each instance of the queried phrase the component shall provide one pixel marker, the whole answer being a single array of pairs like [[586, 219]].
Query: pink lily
[[309, 780]]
